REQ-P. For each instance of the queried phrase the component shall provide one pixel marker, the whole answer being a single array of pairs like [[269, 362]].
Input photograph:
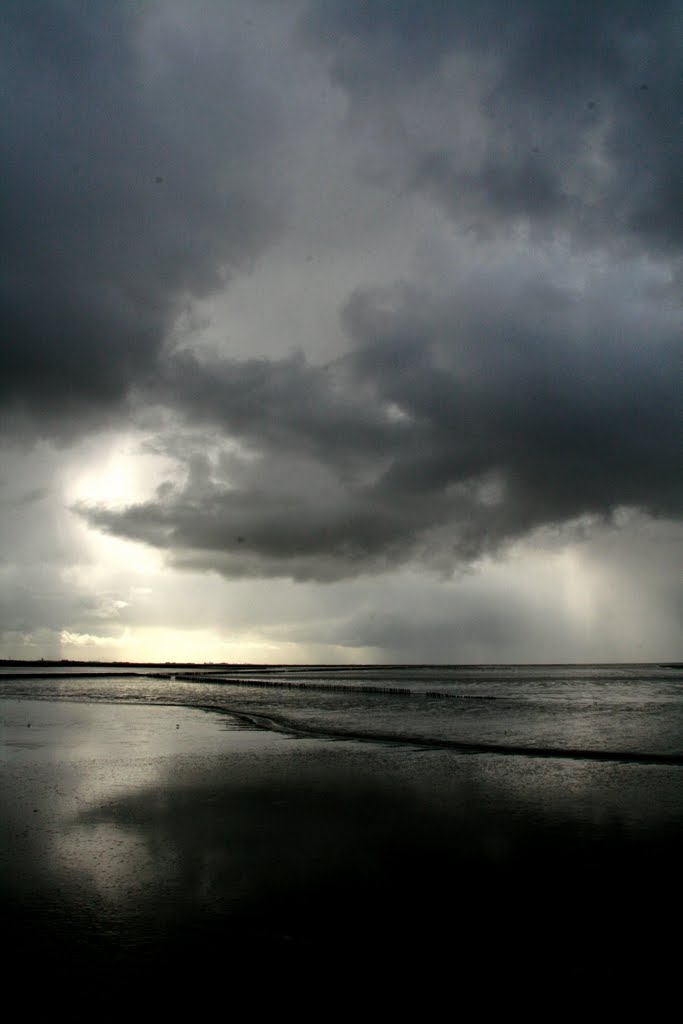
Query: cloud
[[385, 284], [135, 174], [453, 425], [556, 118]]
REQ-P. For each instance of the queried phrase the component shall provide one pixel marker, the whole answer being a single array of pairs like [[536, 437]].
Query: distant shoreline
[[329, 667]]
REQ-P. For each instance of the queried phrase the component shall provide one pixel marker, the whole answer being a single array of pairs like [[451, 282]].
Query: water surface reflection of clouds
[[65, 763], [161, 836]]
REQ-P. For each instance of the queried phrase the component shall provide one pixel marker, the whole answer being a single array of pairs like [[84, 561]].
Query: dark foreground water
[[332, 828]]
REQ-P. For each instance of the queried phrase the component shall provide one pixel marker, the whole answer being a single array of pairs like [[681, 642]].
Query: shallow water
[[154, 837], [619, 710]]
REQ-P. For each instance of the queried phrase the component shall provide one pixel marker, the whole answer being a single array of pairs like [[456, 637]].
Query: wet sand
[[139, 840]]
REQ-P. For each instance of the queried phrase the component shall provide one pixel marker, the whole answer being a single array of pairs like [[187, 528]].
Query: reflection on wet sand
[[127, 847]]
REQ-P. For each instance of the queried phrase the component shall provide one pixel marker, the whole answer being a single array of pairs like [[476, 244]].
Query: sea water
[[619, 711]]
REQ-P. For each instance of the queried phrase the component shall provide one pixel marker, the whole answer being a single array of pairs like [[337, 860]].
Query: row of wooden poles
[[286, 684]]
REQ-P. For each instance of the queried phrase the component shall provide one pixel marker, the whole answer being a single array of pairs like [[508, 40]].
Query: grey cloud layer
[[139, 171], [462, 423], [134, 173], [560, 117]]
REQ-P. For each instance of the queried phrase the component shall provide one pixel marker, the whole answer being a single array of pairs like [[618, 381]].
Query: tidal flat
[[145, 838], [139, 839]]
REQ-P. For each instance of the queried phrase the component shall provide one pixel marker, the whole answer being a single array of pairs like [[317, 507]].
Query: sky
[[341, 330]]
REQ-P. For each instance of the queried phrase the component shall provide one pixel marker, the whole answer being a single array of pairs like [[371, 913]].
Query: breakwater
[[290, 684]]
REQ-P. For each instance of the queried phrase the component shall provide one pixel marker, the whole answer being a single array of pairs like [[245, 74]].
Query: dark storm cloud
[[464, 423], [138, 171], [134, 173], [566, 407], [578, 109], [327, 413]]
